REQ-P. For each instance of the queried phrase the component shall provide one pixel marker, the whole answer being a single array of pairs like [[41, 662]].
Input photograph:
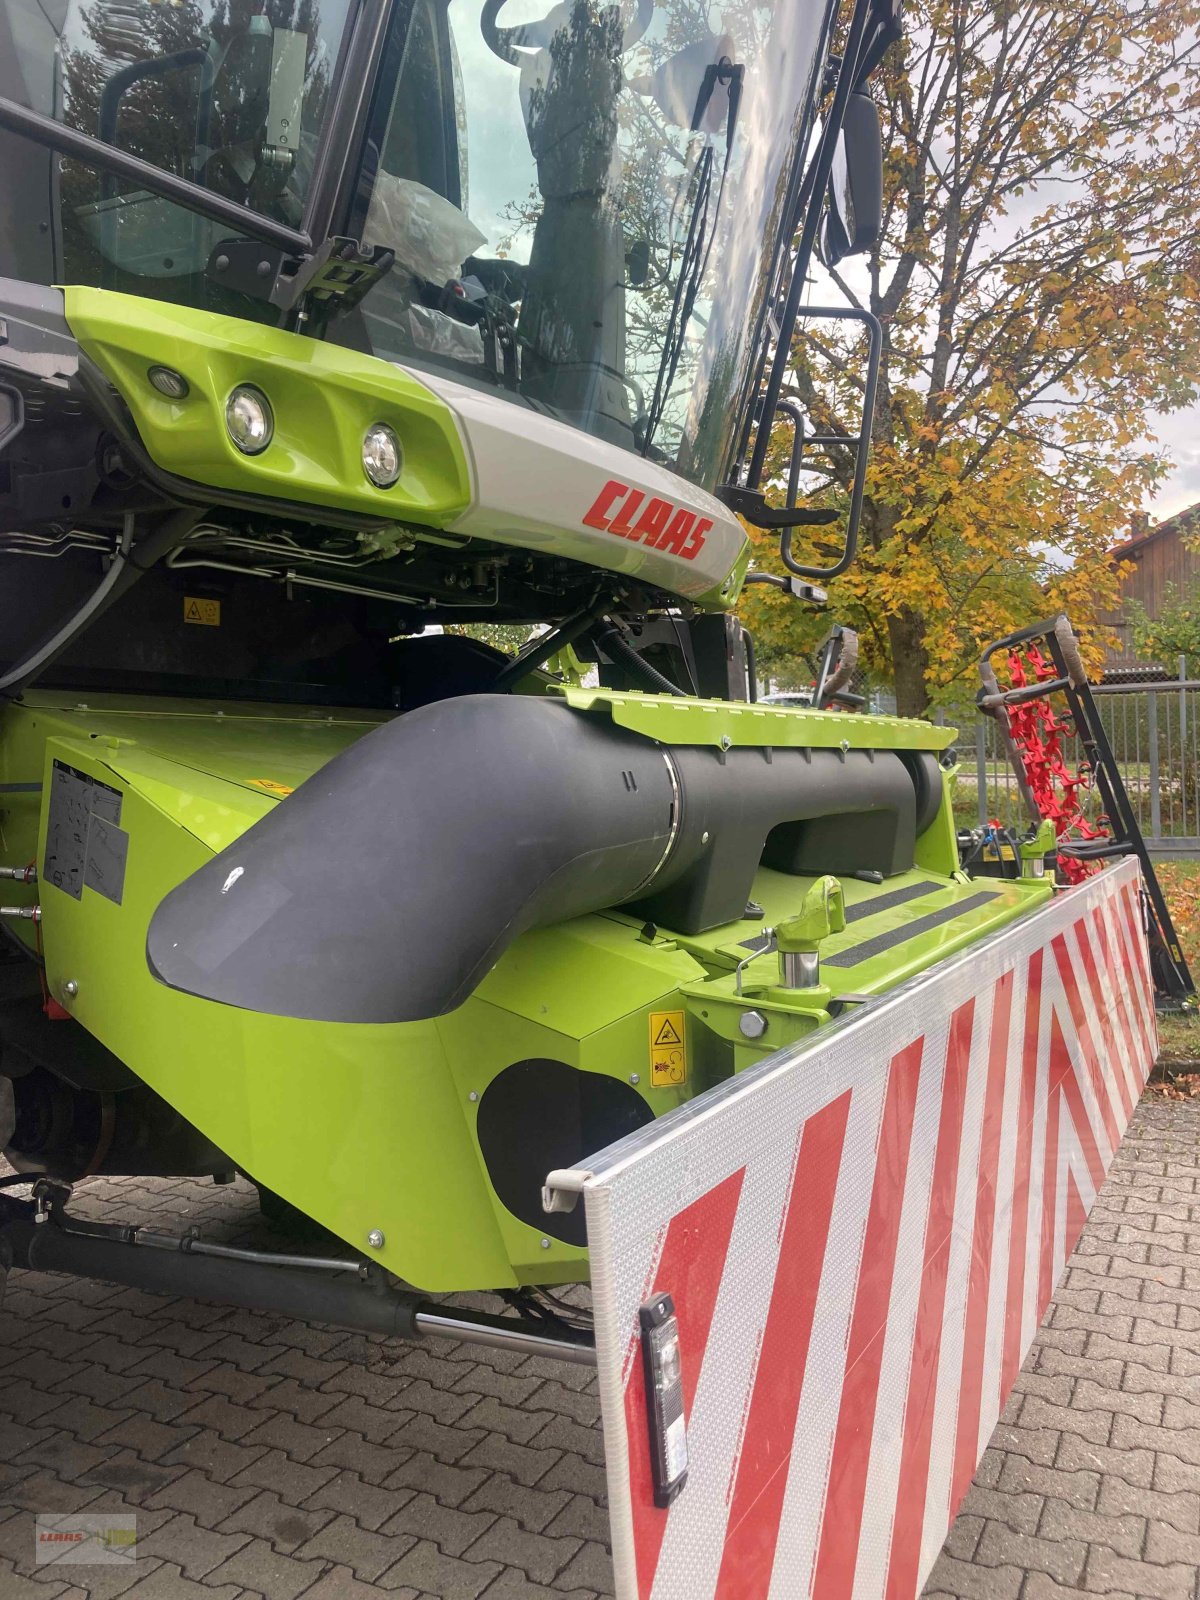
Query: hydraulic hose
[[16, 677], [124, 569], [618, 649]]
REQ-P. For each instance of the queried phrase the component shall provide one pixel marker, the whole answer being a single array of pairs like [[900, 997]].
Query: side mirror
[[855, 213]]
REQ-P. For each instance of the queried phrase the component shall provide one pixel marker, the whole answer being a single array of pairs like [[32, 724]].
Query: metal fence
[[1154, 730]]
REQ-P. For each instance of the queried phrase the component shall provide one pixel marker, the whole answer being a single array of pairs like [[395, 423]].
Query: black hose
[[751, 665], [17, 676], [619, 650], [126, 567], [533, 655]]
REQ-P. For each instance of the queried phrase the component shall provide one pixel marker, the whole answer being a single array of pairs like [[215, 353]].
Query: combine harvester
[[306, 885]]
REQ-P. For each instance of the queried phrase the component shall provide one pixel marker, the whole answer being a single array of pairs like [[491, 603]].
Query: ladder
[[1052, 651]]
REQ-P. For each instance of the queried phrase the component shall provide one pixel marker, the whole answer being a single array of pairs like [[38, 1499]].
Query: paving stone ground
[[263, 1457]]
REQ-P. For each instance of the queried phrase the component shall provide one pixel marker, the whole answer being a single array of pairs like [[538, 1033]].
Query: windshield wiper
[[698, 244]]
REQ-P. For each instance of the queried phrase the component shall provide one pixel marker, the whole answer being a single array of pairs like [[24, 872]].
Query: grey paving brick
[[368, 1505], [589, 1568], [426, 1569], [283, 1526], [98, 1384], [1107, 1571], [207, 1450], [446, 1406], [582, 1518], [15, 1586], [373, 1463], [1106, 1371], [262, 1570], [299, 1441], [1168, 1546], [1136, 1466], [372, 1422], [1124, 1532], [1180, 1440], [66, 1455], [44, 1491], [377, 1388], [532, 1508], [195, 1492], [167, 1582], [291, 1363], [453, 1529], [181, 1372], [965, 1533], [20, 1402], [537, 1554], [291, 1398], [517, 1423], [197, 1550], [522, 1462], [132, 1476], [1039, 1587], [1039, 1446], [1059, 1558], [1172, 1474], [1020, 1511], [290, 1479], [446, 1481], [16, 1437], [339, 1583], [513, 1585], [1178, 1509], [1055, 1388], [572, 1472], [1093, 1424], [344, 1543], [509, 1387], [149, 1439]]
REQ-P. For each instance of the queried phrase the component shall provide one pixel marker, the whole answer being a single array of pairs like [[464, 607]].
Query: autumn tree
[[1037, 282]]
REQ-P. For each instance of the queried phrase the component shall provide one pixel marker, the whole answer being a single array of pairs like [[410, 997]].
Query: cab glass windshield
[[585, 204], [230, 94]]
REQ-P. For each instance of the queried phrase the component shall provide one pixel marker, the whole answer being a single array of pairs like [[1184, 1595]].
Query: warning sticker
[[206, 612], [668, 1049], [271, 786]]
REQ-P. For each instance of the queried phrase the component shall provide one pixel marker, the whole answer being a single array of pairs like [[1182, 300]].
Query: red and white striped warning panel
[[857, 1241]]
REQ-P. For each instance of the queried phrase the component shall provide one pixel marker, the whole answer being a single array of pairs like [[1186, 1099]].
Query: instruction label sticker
[[668, 1049], [272, 787], [206, 612], [84, 840]]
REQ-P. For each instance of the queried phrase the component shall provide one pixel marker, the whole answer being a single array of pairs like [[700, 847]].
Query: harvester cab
[[330, 329]]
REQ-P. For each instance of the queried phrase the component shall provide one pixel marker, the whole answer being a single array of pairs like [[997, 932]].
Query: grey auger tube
[[389, 883]]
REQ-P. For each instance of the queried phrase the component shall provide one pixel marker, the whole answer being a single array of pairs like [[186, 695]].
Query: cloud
[[1179, 435]]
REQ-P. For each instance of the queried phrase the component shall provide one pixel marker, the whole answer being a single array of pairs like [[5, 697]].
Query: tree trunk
[[910, 663]]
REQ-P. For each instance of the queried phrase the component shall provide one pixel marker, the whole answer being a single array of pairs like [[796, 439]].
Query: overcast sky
[[1179, 435]]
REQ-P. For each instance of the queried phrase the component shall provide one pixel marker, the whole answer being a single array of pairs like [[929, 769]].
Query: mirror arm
[[82, 147]]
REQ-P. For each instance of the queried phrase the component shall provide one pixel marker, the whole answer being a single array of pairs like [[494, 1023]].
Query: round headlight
[[249, 420], [382, 457], [169, 382]]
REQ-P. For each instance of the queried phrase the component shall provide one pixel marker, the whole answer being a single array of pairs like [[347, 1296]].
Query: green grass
[[1179, 1036]]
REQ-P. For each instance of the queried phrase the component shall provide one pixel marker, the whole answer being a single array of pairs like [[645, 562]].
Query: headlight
[[382, 457], [249, 420]]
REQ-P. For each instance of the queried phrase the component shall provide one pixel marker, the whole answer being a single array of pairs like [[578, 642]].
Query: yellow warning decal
[[206, 612], [668, 1049], [271, 786]]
